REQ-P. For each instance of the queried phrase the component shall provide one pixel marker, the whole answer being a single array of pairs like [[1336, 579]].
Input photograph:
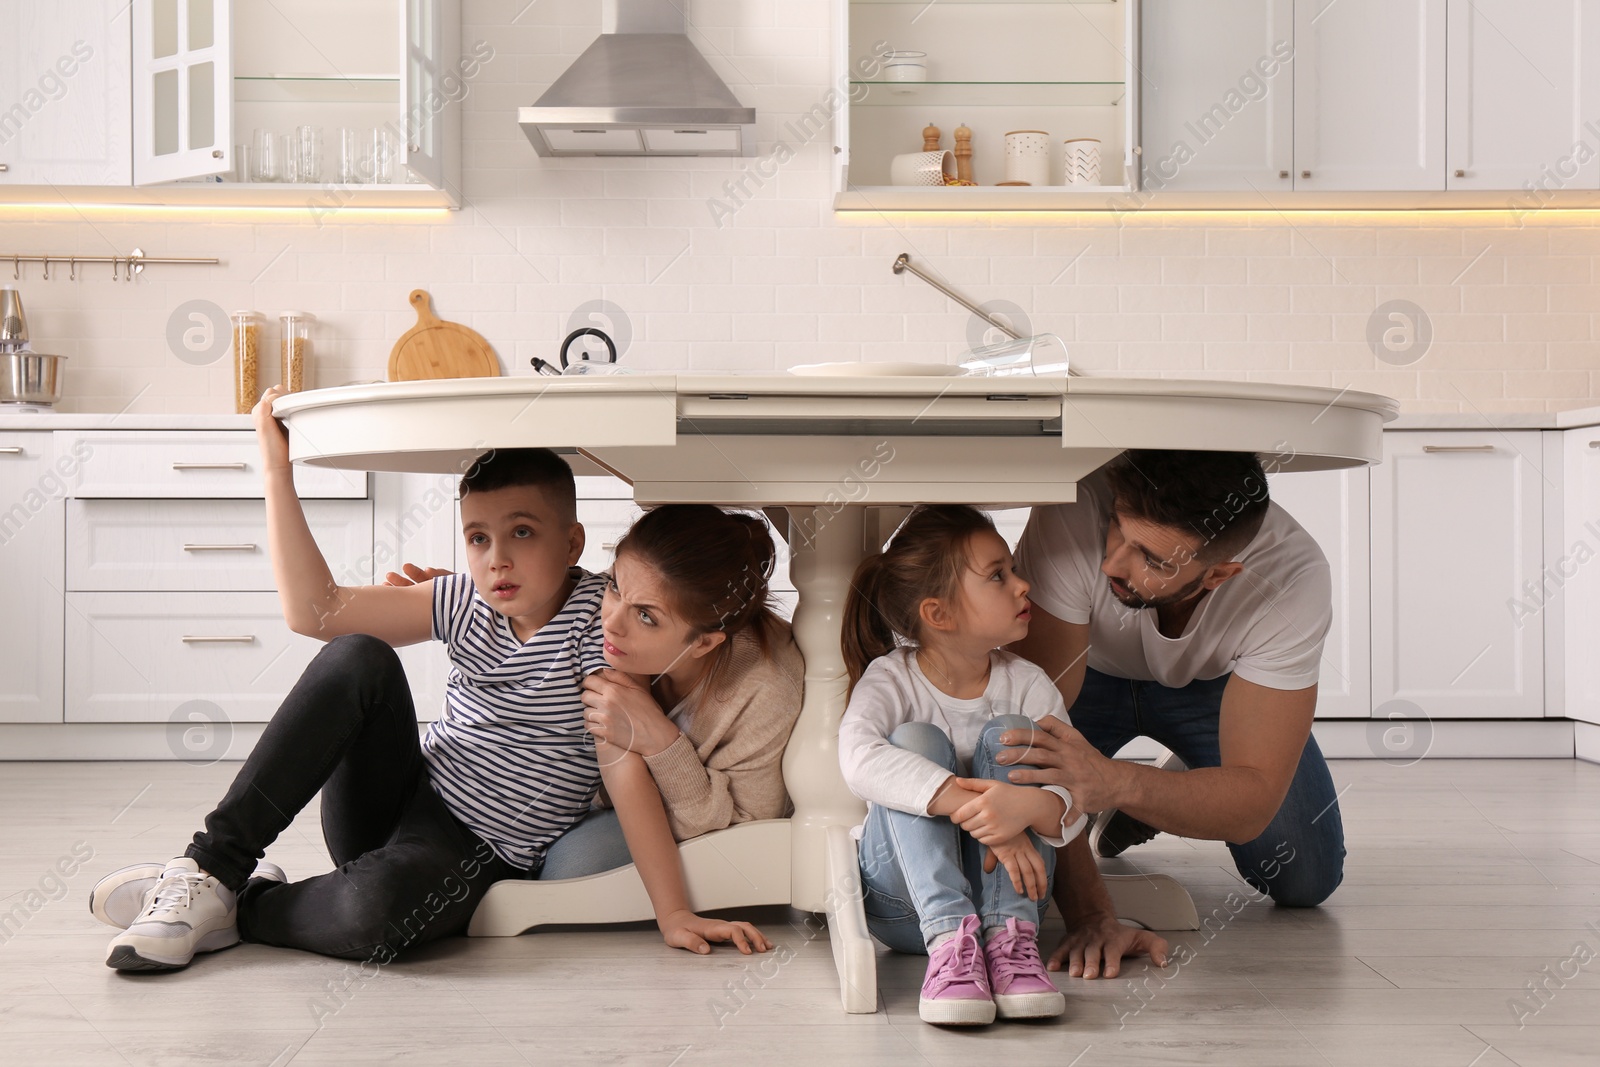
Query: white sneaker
[[187, 912], [119, 897]]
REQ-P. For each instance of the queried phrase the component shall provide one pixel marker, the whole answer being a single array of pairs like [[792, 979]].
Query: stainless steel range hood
[[640, 90]]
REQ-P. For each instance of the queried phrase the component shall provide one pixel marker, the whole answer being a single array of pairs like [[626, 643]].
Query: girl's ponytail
[[925, 559], [867, 633]]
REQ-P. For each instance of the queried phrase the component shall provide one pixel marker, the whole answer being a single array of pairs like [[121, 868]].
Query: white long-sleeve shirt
[[893, 690]]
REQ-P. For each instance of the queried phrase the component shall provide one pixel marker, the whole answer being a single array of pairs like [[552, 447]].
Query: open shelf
[[356, 89], [982, 198], [990, 94]]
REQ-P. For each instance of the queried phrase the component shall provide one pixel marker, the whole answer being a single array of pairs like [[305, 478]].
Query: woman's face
[[643, 632]]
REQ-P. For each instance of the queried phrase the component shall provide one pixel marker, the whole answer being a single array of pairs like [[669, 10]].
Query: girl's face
[[643, 633], [994, 608]]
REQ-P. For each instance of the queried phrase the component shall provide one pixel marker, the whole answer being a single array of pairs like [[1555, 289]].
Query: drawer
[[186, 463], [142, 657], [133, 545]]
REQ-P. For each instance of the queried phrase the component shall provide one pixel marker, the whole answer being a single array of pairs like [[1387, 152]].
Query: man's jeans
[[922, 874], [1299, 859]]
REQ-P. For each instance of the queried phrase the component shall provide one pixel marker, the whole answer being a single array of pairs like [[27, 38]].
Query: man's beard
[[1134, 600]]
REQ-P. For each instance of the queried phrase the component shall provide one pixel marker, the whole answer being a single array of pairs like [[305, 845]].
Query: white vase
[[1080, 159], [1028, 157]]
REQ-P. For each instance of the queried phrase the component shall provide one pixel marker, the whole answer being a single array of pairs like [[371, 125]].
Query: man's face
[[1151, 566]]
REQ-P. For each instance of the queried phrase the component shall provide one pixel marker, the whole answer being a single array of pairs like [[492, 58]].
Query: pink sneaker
[[956, 990], [1022, 987]]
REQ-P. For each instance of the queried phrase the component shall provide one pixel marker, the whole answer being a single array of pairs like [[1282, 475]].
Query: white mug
[[922, 168]]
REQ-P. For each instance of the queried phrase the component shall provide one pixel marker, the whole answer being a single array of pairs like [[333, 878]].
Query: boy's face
[[519, 547]]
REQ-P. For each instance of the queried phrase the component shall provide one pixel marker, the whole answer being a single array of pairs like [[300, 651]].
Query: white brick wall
[[1512, 303]]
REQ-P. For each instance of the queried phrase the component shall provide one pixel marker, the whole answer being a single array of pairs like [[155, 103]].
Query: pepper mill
[[964, 154], [930, 138]]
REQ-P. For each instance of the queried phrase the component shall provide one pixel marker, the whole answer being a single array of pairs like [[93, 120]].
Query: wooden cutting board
[[434, 348]]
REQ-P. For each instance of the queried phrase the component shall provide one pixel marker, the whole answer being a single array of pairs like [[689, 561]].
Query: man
[[1174, 601]]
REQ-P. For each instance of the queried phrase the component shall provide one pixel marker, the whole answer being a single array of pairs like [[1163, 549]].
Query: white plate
[[878, 370]]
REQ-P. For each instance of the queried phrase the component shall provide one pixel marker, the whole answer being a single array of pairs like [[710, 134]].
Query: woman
[[706, 682]]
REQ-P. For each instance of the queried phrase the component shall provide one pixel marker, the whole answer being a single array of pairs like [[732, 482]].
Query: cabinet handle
[[209, 467], [1283, 174], [611, 546], [11, 450], [219, 548], [216, 153], [1461, 174], [208, 639], [4, 167], [1458, 448], [1594, 444], [1305, 174]]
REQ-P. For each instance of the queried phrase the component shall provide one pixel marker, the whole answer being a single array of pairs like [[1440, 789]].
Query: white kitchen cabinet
[[1457, 542], [1067, 69], [64, 80], [31, 572], [1333, 506], [1217, 106], [142, 657], [1524, 80], [1369, 95], [180, 83], [1572, 580]]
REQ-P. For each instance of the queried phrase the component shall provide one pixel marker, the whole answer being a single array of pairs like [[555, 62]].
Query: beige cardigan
[[727, 765]]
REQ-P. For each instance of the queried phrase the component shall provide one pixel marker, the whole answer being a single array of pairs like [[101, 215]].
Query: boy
[[419, 831]]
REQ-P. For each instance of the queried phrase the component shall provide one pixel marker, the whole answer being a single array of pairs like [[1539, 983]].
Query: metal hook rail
[[134, 261]]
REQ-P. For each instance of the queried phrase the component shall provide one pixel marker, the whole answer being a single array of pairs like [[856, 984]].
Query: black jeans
[[409, 872]]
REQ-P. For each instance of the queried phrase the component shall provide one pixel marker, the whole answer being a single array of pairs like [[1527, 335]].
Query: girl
[[706, 685], [931, 693]]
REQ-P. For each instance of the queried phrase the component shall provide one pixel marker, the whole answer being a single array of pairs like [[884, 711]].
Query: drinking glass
[[266, 157], [308, 142], [382, 156], [355, 156]]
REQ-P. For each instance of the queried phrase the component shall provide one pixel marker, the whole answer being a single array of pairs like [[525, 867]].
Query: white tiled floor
[[1465, 880]]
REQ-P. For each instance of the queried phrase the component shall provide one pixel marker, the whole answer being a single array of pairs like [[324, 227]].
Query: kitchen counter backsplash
[[1500, 311]]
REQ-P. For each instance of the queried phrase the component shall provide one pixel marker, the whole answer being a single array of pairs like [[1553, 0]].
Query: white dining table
[[844, 456]]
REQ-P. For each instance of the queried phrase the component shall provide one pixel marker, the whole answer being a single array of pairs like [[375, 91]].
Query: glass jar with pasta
[[246, 328], [295, 328]]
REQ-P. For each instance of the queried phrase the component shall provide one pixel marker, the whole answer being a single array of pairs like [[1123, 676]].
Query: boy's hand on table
[[1001, 811], [620, 710], [270, 432], [686, 930], [415, 575], [1023, 862]]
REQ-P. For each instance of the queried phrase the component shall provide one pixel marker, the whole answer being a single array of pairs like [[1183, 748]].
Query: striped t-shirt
[[510, 756]]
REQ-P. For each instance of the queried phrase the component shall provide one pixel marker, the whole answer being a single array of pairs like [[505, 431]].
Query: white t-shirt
[[1266, 624], [893, 690]]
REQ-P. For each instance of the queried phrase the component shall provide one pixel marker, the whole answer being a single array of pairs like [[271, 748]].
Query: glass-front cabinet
[[1047, 89], [298, 101]]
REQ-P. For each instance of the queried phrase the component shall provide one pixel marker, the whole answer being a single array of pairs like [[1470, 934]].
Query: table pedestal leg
[[825, 545]]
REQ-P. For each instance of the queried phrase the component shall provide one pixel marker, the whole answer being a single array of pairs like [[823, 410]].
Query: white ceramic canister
[[1028, 157], [1080, 159], [903, 70]]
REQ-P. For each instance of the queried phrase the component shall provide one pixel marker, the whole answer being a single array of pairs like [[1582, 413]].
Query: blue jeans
[[1299, 859], [922, 874], [594, 844]]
